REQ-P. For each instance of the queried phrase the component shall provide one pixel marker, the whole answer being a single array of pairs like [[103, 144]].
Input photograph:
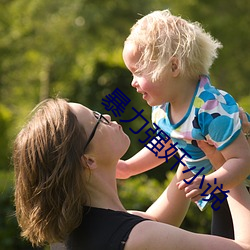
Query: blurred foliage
[[72, 48], [139, 192], [5, 124], [244, 102]]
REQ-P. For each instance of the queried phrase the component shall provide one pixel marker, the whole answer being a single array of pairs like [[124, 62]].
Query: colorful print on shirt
[[213, 115]]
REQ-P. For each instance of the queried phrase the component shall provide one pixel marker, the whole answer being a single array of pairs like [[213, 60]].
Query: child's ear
[[175, 66]]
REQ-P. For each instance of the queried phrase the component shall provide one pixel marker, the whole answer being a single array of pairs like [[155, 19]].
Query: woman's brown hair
[[49, 182]]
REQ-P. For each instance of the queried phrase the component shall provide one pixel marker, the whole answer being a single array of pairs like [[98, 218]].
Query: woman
[[65, 166]]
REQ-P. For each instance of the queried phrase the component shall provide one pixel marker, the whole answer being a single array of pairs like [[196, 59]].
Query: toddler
[[170, 59]]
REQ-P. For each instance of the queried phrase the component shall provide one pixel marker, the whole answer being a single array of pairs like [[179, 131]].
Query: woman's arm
[[239, 203], [160, 236], [172, 206]]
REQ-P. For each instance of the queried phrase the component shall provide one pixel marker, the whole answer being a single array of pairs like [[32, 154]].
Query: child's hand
[[122, 170], [208, 149], [193, 190], [215, 156]]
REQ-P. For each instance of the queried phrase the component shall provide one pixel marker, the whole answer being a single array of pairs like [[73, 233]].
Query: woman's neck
[[102, 189]]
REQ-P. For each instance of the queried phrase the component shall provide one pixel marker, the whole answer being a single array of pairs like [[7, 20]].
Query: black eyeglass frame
[[100, 118]]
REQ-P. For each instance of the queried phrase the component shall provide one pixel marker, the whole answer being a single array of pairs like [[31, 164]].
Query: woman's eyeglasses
[[100, 118]]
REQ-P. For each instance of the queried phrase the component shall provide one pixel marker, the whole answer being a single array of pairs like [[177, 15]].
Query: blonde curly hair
[[49, 181], [160, 36]]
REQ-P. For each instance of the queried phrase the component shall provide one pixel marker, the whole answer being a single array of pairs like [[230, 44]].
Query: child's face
[[152, 92]]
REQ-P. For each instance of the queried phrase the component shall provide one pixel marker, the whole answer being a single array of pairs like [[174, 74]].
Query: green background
[[72, 48]]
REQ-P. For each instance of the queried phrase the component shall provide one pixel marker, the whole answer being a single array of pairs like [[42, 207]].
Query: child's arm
[[142, 161], [234, 171], [236, 168]]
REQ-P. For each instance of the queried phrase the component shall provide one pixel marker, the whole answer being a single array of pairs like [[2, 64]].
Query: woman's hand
[[245, 124]]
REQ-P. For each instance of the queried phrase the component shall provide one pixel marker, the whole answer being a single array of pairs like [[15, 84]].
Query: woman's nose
[[108, 117]]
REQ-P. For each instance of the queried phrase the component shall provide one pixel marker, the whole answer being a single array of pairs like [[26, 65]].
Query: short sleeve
[[218, 118]]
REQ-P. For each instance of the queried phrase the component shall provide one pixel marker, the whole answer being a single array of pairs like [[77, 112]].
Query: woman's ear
[[175, 66], [89, 161]]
